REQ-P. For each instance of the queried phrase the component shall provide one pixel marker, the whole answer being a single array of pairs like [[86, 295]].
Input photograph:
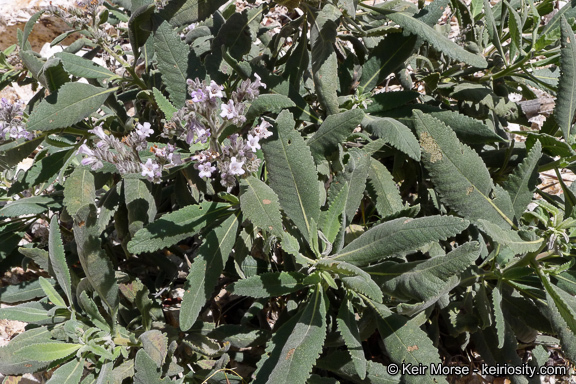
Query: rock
[[15, 14]]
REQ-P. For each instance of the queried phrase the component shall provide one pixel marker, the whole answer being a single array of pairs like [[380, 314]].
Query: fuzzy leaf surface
[[566, 98], [81, 67], [176, 226], [14, 363], [273, 103], [333, 131], [58, 263], [394, 133], [72, 103], [296, 345], [206, 269], [79, 190], [260, 205], [399, 236], [459, 174], [48, 351], [69, 373], [388, 199], [348, 328], [270, 284], [509, 238], [292, 174]]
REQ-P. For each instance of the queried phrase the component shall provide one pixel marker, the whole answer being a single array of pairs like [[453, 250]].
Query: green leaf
[[389, 55], [23, 42], [72, 103], [52, 75], [353, 177], [293, 350], [523, 180], [406, 343], [164, 104], [270, 284], [69, 373], [333, 131], [348, 328], [53, 296], [388, 199], [59, 267], [40, 256], [33, 312], [394, 133], [155, 343], [176, 226], [400, 236], [12, 363], [342, 365], [81, 67], [499, 321], [140, 26], [24, 291], [91, 309], [459, 174], [139, 202], [434, 38], [79, 190], [182, 12], [331, 220], [268, 103], [492, 27], [146, 370], [566, 96], [509, 238], [47, 351], [292, 174], [29, 206], [94, 260], [43, 171], [206, 269], [172, 54], [425, 281], [324, 61], [260, 205], [14, 152], [566, 12], [352, 277]]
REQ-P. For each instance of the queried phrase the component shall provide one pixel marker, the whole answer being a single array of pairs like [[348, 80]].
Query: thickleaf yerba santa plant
[[289, 191]]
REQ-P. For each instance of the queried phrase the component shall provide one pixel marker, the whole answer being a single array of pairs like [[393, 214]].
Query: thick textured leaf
[[522, 182], [52, 75], [406, 343], [47, 351], [140, 25], [72, 103], [562, 316], [459, 174], [13, 364], [44, 172], [33, 312], [399, 236], [14, 152], [268, 103], [293, 350], [509, 238], [155, 343], [23, 42], [40, 256], [260, 205], [164, 104], [270, 284], [29, 206], [69, 373], [25, 291], [79, 190], [51, 292], [342, 365], [566, 12], [94, 260], [352, 277], [58, 264], [206, 269], [333, 131], [331, 220], [499, 321], [424, 280], [139, 202], [146, 370], [566, 97], [394, 133], [172, 55], [292, 175], [81, 67], [353, 178], [389, 55], [91, 309], [324, 60], [181, 12], [469, 130], [348, 328], [176, 226], [388, 199], [434, 38]]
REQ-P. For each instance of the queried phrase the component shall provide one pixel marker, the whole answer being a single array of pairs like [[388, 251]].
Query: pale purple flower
[[198, 96], [214, 90], [98, 131], [258, 83], [235, 167], [150, 169], [197, 129], [253, 142], [229, 110], [261, 131], [143, 130], [206, 170]]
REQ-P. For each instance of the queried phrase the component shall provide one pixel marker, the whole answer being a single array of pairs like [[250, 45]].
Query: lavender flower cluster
[[124, 153], [11, 124], [207, 115]]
